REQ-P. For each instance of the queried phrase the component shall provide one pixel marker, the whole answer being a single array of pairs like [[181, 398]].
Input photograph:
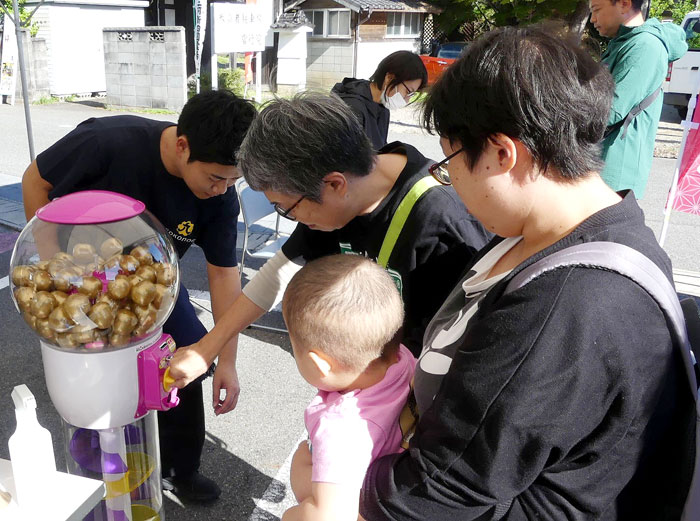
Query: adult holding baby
[[565, 398]]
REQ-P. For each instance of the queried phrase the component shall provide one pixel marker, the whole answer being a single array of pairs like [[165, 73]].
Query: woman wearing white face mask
[[396, 81]]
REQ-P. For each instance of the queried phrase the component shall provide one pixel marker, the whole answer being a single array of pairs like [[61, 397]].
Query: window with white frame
[[329, 23], [403, 24]]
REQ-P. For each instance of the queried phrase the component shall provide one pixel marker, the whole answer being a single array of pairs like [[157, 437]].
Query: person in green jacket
[[637, 57]]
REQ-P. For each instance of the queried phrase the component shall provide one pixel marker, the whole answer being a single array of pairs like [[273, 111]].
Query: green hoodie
[[638, 61]]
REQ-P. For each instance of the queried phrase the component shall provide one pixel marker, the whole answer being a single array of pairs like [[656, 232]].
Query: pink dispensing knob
[[171, 400]]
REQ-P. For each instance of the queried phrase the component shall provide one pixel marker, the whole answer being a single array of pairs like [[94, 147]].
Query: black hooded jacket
[[373, 116]]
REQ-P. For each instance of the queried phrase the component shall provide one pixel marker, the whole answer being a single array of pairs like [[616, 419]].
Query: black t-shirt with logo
[[436, 243], [122, 154]]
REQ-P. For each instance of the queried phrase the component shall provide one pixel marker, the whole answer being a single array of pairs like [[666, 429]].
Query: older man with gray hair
[[313, 161]]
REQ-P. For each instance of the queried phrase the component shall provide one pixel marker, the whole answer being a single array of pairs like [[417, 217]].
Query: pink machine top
[[90, 207]]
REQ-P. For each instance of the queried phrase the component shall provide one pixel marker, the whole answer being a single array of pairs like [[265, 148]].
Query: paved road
[[248, 450]]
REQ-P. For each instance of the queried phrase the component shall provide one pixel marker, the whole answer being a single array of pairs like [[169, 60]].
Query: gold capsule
[[165, 274], [21, 275], [43, 304], [90, 286], [143, 293], [30, 320], [43, 328], [60, 297], [83, 337], [141, 254], [84, 253], [57, 266], [102, 315], [133, 281], [42, 265], [63, 256], [119, 340], [128, 264], [77, 307], [66, 340], [42, 280], [109, 300], [118, 288], [111, 247], [143, 311], [24, 296], [58, 320], [161, 292], [62, 279], [147, 319], [124, 322], [147, 273]]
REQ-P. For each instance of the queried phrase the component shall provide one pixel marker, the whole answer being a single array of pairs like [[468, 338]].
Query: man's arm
[[260, 295], [224, 288], [35, 194], [190, 362], [328, 501], [35, 190]]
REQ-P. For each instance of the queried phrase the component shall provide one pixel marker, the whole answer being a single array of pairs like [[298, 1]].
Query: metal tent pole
[[23, 76]]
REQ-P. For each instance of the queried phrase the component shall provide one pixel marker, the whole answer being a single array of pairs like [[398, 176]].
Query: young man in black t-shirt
[[183, 174]]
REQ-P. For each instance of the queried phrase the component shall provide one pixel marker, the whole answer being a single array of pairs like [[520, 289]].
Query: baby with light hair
[[344, 315]]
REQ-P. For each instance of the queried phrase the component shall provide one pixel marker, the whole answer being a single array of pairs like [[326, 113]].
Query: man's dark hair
[[215, 123], [294, 143], [404, 65], [636, 4], [531, 85]]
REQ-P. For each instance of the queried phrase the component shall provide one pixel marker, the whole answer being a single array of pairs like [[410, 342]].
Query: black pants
[[182, 428]]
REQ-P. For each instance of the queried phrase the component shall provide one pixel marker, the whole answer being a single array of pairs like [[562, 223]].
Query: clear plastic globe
[[98, 285]]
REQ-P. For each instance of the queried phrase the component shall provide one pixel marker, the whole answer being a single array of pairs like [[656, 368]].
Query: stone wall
[[145, 67]]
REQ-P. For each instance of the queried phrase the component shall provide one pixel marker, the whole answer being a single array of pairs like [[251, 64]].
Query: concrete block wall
[[145, 67], [328, 61], [35, 54]]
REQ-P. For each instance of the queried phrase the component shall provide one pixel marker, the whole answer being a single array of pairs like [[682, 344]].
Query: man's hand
[[225, 379], [187, 365]]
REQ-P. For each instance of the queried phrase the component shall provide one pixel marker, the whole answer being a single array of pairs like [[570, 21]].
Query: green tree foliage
[[24, 15], [494, 13], [675, 9]]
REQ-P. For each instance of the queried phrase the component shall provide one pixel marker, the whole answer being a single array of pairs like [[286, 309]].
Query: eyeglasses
[[285, 212], [439, 170], [411, 94]]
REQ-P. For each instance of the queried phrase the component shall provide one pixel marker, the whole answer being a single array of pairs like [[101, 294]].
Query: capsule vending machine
[[95, 275]]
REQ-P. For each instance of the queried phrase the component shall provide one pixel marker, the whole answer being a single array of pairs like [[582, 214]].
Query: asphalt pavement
[[248, 450]]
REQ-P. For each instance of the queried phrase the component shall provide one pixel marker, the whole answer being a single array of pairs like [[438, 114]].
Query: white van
[[682, 74]]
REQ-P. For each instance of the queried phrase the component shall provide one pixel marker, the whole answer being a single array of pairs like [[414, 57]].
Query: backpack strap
[[401, 214], [636, 111], [639, 268]]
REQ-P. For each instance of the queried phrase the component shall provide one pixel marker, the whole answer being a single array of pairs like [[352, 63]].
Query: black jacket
[[373, 116]]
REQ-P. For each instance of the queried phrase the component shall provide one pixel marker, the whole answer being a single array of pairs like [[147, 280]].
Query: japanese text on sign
[[240, 27]]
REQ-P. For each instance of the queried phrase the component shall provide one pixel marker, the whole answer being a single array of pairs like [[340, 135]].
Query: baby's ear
[[322, 362]]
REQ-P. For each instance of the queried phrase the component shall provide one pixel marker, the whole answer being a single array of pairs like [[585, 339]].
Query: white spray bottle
[[31, 451]]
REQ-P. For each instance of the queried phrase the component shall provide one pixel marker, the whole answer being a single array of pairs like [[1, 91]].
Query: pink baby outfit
[[349, 430]]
